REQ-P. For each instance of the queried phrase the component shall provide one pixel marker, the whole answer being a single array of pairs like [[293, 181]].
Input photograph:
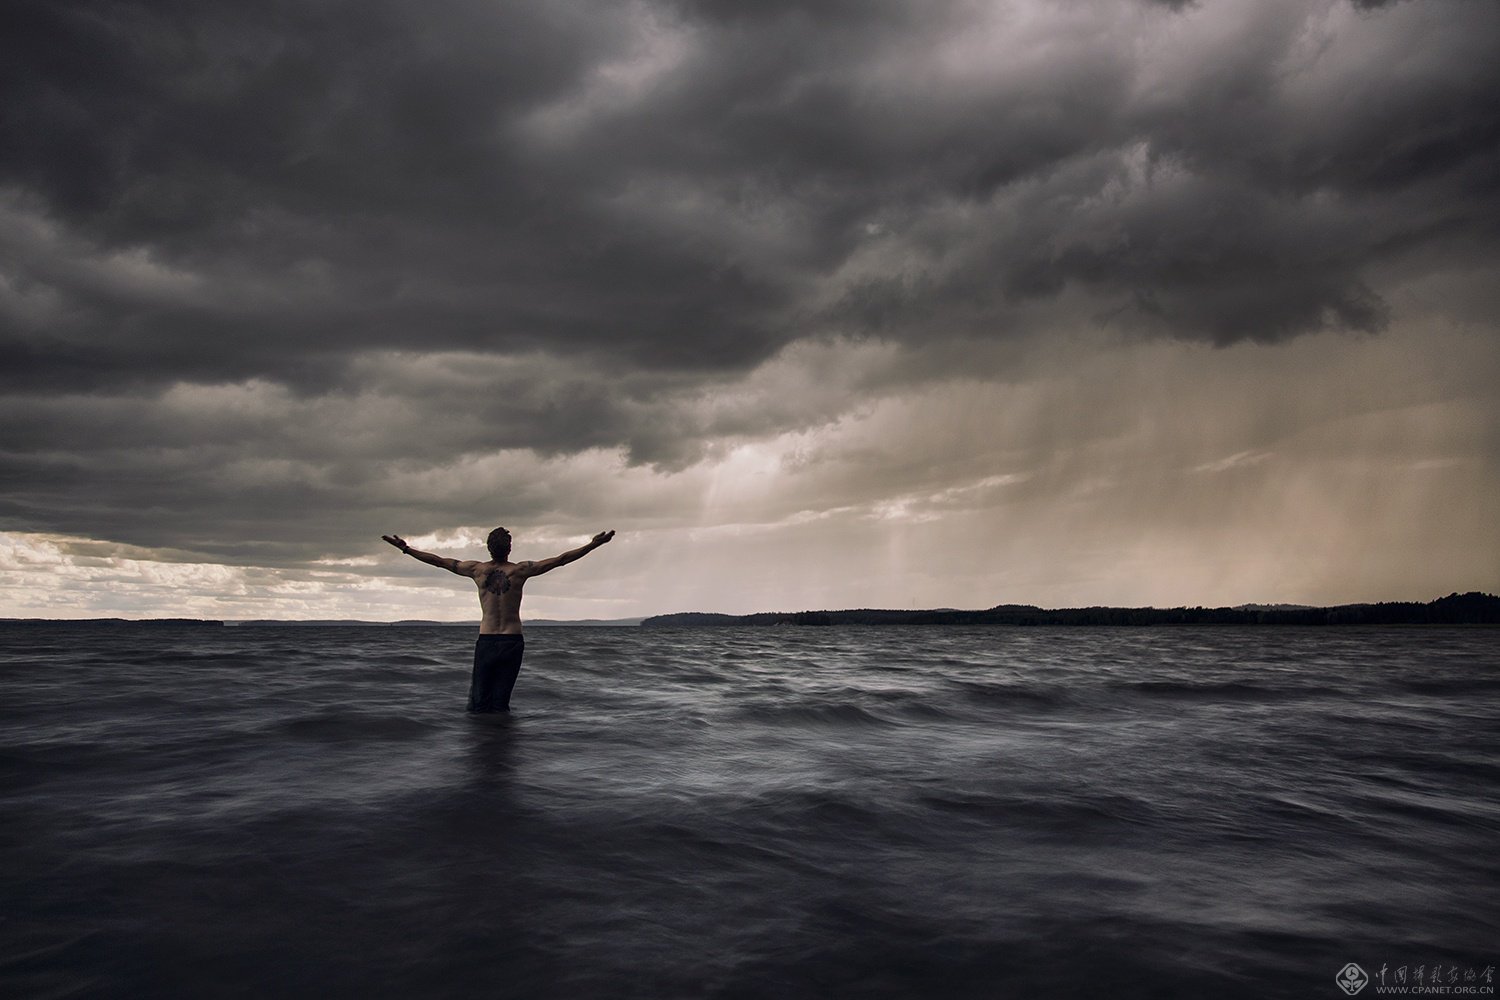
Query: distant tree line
[[1456, 609]]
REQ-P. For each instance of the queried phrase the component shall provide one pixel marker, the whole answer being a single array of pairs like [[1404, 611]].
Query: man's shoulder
[[490, 566]]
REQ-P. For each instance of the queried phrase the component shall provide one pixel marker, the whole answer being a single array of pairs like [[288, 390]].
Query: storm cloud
[[276, 278]]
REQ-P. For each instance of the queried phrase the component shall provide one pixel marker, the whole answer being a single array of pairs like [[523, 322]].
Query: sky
[[863, 303]]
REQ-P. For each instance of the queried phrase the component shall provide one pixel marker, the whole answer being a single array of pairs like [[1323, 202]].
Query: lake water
[[774, 812]]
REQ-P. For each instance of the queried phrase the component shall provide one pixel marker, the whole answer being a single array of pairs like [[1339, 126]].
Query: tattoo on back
[[497, 582]]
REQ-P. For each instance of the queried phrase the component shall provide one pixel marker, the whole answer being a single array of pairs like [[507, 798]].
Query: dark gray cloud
[[602, 217]]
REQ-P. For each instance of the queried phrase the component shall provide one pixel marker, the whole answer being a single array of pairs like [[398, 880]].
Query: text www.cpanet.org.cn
[[1435, 979]]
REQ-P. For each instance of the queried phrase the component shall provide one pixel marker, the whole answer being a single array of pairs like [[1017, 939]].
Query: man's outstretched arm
[[463, 567], [547, 565]]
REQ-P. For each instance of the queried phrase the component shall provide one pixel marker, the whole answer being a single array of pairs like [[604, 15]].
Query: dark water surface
[[777, 812]]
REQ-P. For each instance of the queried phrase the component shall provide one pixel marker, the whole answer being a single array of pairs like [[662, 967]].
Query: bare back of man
[[501, 585]]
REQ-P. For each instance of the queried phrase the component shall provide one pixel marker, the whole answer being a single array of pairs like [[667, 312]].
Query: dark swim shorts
[[497, 661]]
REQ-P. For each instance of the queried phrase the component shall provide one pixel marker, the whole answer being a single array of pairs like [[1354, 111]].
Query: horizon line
[[543, 622]]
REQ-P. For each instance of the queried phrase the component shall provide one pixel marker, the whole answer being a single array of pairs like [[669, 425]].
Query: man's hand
[[601, 538], [397, 541]]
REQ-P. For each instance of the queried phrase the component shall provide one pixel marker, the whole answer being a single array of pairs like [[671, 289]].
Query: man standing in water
[[497, 652]]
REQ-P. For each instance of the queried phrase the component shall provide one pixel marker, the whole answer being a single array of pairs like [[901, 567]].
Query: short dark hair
[[499, 544]]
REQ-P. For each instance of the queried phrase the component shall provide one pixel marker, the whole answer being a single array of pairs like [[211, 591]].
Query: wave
[[1078, 815], [1451, 685], [1222, 690], [828, 714], [337, 726], [994, 693]]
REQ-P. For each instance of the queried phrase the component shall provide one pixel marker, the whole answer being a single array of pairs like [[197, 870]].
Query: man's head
[[499, 544]]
